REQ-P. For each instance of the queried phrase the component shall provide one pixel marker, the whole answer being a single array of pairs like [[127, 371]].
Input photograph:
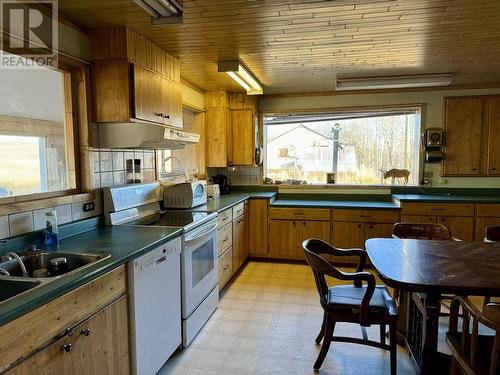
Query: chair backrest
[[319, 266], [492, 233], [421, 231], [468, 346]]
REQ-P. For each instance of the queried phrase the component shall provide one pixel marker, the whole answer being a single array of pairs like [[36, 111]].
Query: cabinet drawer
[[225, 268], [299, 213], [366, 216], [446, 209], [238, 210], [225, 217], [418, 219], [225, 238], [488, 210]]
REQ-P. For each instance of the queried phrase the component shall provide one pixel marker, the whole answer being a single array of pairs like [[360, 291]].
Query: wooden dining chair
[[474, 353], [367, 305], [425, 231], [492, 233]]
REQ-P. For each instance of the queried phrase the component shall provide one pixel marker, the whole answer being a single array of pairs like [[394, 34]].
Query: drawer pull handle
[[67, 347], [85, 332], [365, 216], [226, 267], [299, 214], [225, 239], [437, 209]]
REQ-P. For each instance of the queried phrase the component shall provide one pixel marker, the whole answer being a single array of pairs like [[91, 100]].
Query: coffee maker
[[221, 180]]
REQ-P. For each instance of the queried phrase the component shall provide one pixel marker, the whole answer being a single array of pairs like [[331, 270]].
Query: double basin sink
[[16, 284]]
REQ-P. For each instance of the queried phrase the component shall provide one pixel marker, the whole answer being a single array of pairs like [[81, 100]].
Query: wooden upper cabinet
[[243, 137], [463, 125], [133, 79], [493, 140], [230, 129]]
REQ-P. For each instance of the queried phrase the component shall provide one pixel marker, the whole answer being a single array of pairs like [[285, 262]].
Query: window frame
[[76, 121], [281, 112]]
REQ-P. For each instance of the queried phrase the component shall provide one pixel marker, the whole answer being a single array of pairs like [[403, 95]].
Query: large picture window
[[36, 132], [363, 147]]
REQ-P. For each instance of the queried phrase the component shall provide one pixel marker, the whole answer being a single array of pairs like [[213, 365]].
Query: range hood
[[143, 135]]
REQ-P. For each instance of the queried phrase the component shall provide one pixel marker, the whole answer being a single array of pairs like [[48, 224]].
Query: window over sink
[[359, 147]]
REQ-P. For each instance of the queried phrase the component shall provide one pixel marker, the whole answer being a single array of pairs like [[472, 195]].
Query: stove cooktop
[[177, 219]]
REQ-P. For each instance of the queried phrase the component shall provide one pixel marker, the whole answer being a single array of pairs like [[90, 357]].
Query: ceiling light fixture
[[241, 74], [162, 11], [393, 82]]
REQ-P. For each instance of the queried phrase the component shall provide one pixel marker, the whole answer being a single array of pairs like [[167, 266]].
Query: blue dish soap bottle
[[51, 232]]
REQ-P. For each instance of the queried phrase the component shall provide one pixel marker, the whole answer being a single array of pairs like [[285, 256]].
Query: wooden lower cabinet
[[348, 235], [461, 227], [378, 230], [99, 345], [283, 238], [257, 215], [482, 223], [286, 236], [240, 248]]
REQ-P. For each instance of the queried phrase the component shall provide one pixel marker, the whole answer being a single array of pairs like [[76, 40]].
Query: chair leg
[[322, 331], [393, 348], [327, 339], [454, 367], [382, 333]]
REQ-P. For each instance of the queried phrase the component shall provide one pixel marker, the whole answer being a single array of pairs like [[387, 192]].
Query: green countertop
[[445, 198], [313, 203], [229, 200], [123, 243]]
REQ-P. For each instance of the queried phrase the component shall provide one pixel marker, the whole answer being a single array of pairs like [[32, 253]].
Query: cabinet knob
[[67, 347], [493, 169], [85, 332], [167, 116], [474, 169]]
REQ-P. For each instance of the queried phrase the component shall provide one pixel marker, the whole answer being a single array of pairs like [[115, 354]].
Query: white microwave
[[185, 194]]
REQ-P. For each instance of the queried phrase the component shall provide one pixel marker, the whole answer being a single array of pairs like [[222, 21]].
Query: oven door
[[200, 273]]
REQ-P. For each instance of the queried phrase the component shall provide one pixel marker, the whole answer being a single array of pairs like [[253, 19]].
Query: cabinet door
[[225, 268], [101, 344], [242, 137], [493, 137], [284, 238], [216, 136], [348, 235], [53, 360], [418, 219], [98, 346], [312, 229], [148, 95], [239, 242], [482, 223], [460, 227], [378, 231], [258, 213], [172, 96], [463, 121]]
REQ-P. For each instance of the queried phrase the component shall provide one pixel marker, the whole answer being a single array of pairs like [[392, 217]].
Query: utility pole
[[335, 130]]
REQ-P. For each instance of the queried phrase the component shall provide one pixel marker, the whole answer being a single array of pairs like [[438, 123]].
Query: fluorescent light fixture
[[241, 74], [162, 11], [393, 82]]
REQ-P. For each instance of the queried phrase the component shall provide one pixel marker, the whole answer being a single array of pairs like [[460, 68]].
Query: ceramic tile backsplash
[[63, 213], [238, 175], [20, 223], [39, 218], [118, 167], [4, 227]]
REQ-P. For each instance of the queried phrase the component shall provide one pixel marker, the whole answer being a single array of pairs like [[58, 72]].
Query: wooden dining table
[[425, 270]]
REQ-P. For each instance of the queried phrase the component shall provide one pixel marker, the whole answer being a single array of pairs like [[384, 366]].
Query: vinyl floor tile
[[266, 323]]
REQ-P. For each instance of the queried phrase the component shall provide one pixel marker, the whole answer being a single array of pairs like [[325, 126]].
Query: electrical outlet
[[427, 181], [88, 207]]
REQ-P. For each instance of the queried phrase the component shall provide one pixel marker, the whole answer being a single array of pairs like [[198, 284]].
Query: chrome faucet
[[11, 256]]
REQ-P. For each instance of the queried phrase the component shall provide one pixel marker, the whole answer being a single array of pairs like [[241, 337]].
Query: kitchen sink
[[11, 287], [39, 260]]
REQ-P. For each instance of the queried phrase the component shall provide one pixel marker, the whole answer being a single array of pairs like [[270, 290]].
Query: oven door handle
[[212, 228]]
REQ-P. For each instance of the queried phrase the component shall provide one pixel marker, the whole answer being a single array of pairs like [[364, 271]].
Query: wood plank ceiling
[[302, 45]]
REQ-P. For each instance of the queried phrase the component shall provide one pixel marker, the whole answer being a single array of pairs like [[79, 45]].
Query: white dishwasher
[[154, 283]]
